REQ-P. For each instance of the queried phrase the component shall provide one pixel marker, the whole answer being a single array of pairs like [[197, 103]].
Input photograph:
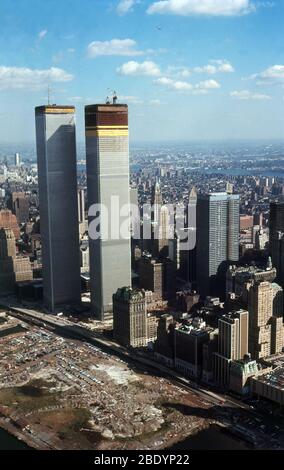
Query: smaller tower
[[130, 317]]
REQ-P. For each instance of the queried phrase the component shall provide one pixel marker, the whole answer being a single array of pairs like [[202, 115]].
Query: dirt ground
[[66, 394]]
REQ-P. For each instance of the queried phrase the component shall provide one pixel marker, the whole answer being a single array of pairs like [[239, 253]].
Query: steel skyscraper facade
[[57, 178], [232, 343], [107, 150], [217, 221], [276, 238]]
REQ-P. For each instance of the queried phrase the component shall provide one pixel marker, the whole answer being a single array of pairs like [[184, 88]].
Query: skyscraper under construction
[[107, 150]]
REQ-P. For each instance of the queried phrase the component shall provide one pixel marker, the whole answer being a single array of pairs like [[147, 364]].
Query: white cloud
[[270, 76], [148, 68], [197, 89], [173, 73], [215, 66], [185, 73], [226, 67], [13, 78], [202, 7], [208, 85], [42, 34], [174, 84], [248, 95], [125, 6], [276, 72], [114, 47], [210, 69]]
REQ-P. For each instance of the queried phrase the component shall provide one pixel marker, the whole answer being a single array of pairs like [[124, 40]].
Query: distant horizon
[[170, 141]]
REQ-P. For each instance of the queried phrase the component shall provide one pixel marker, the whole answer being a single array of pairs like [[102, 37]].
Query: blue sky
[[189, 69]]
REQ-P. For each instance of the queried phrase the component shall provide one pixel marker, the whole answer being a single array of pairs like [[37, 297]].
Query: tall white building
[[81, 205], [17, 159], [107, 150], [57, 178]]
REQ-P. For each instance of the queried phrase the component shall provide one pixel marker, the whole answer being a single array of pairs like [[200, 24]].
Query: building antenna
[[48, 94], [113, 95]]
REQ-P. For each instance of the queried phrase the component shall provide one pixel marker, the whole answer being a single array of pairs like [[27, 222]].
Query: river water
[[212, 438], [9, 442]]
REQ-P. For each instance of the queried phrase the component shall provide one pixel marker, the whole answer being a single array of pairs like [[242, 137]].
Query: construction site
[[60, 393]]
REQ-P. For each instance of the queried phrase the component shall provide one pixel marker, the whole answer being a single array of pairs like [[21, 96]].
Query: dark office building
[[151, 276], [188, 347], [276, 238], [158, 277], [164, 345], [19, 205], [217, 240]]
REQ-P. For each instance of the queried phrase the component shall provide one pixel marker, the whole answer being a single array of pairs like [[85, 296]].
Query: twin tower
[[107, 156]]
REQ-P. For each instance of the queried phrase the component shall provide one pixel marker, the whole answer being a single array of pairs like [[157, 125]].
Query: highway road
[[226, 403], [75, 330]]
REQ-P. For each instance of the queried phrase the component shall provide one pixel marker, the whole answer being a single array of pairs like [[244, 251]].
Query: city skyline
[[142, 287], [221, 75], [226, 347]]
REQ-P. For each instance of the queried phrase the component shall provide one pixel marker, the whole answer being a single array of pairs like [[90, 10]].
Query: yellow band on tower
[[107, 127], [107, 132], [54, 110]]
